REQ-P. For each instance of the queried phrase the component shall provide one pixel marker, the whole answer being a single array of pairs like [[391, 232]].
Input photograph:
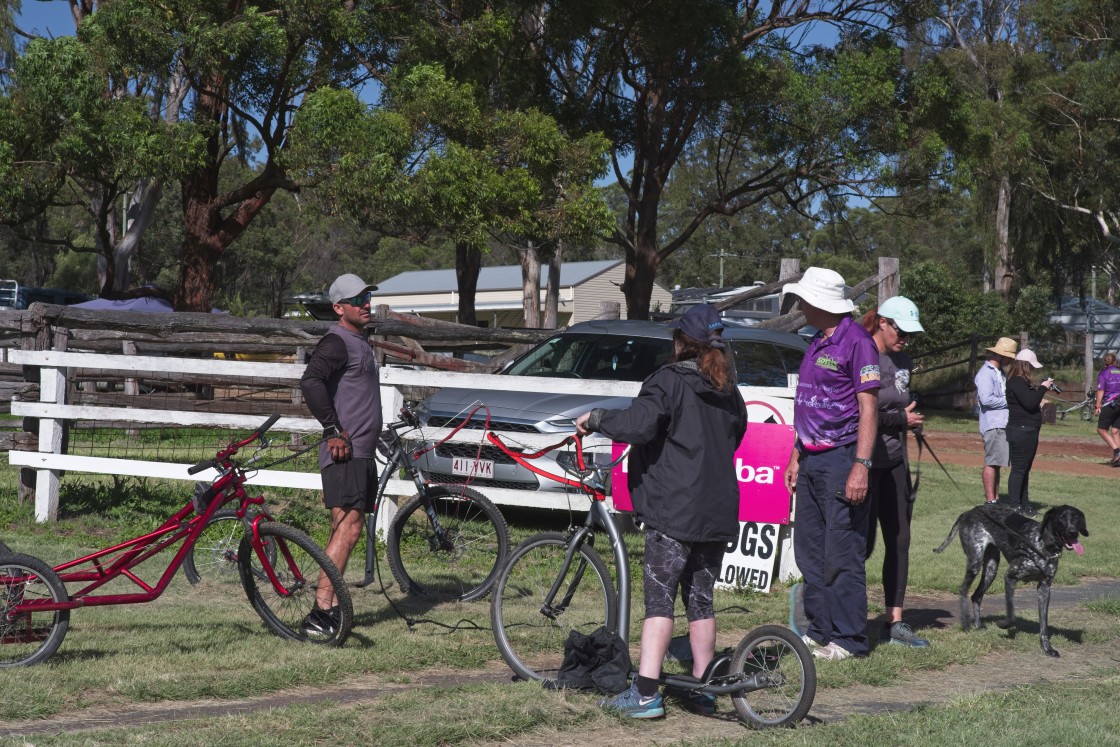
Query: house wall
[[608, 287], [577, 304]]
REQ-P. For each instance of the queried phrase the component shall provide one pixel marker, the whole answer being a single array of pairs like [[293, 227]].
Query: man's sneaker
[[321, 624], [832, 652], [702, 704], [630, 703], [810, 642], [901, 634]]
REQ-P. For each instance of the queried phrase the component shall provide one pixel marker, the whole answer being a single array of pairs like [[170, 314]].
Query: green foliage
[[950, 311]]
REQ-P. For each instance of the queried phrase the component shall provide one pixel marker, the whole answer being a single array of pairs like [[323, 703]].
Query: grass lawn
[[205, 641]]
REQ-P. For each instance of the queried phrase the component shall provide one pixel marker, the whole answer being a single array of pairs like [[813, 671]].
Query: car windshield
[[590, 356], [630, 358]]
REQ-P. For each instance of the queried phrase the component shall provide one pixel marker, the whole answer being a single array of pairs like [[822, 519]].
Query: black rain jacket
[[684, 434]]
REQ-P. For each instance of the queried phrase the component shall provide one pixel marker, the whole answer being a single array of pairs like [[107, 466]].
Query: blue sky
[[46, 18]]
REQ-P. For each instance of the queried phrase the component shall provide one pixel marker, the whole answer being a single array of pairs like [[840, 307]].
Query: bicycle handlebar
[[233, 447]]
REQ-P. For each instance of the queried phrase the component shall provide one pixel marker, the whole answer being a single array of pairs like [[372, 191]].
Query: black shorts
[[350, 484], [1110, 413], [692, 567]]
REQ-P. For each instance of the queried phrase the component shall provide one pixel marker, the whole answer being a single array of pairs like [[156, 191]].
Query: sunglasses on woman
[[902, 334]]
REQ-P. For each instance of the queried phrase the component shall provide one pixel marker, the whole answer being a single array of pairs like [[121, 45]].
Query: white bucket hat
[[823, 289], [1028, 356]]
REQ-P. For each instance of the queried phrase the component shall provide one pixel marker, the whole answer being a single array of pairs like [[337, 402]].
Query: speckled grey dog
[[1032, 550]]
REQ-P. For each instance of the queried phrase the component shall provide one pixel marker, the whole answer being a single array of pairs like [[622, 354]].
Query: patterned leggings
[[693, 566]]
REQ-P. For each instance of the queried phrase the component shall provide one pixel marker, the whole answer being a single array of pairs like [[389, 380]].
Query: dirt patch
[[1071, 455]]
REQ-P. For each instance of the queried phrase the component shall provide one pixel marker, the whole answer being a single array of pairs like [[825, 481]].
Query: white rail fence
[[51, 409]]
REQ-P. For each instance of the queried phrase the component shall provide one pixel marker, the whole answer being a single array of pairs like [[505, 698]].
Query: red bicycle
[[280, 568]]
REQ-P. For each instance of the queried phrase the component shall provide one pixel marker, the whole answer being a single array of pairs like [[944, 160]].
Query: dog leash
[[923, 445]]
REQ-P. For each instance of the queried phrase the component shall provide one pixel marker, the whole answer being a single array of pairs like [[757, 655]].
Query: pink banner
[[760, 463]]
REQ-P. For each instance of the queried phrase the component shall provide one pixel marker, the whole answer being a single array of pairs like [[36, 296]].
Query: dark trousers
[[1022, 441], [830, 545], [892, 508]]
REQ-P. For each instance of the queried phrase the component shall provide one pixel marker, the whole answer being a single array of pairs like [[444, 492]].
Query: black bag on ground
[[599, 661]]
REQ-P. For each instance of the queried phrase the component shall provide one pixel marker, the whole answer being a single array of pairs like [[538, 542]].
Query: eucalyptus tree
[[799, 98], [226, 78], [1077, 117], [986, 48]]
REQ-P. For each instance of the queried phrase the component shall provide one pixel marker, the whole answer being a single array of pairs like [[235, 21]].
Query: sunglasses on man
[[359, 300]]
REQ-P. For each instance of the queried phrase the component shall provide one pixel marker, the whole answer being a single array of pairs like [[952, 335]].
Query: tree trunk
[[468, 264], [530, 285], [641, 271], [552, 290], [1002, 270]]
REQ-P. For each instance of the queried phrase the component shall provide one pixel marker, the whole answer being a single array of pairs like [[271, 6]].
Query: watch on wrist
[[331, 431], [864, 462]]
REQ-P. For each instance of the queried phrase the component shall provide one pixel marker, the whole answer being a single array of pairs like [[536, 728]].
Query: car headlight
[[562, 424], [423, 412]]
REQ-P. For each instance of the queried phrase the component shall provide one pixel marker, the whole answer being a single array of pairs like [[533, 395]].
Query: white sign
[[749, 563]]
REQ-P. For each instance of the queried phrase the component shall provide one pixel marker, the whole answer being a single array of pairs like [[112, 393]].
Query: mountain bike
[[279, 568], [445, 544], [556, 583]]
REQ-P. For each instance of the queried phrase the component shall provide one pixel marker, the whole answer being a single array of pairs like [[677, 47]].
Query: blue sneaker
[[902, 634], [629, 703]]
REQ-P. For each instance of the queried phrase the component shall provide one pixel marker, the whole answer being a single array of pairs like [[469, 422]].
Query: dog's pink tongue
[[1077, 548]]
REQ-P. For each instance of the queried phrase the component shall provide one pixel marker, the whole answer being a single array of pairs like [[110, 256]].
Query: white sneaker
[[832, 652], [810, 643]]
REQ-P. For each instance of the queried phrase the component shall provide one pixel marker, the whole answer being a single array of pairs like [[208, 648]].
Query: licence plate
[[472, 467]]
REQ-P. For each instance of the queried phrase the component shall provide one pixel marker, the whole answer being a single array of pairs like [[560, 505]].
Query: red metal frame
[[123, 558], [522, 459]]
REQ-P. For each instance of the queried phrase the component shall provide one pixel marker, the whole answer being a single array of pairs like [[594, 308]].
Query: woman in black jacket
[[684, 427], [1024, 420]]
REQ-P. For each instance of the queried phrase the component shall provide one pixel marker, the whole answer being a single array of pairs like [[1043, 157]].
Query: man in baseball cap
[[991, 398], [342, 389]]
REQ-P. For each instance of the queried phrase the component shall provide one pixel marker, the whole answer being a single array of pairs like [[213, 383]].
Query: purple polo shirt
[[833, 371], [1108, 381]]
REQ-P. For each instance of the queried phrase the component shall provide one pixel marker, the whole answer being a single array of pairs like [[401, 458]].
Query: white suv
[[605, 350]]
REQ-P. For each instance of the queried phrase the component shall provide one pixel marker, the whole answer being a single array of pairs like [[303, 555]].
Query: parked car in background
[[603, 350]]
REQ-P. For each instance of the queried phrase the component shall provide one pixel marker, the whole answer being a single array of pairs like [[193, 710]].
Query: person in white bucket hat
[[991, 399], [835, 416], [1024, 421]]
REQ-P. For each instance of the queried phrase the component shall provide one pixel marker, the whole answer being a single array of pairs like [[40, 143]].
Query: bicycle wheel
[[214, 554], [298, 564], [530, 640], [781, 666], [28, 638], [1086, 413], [463, 568]]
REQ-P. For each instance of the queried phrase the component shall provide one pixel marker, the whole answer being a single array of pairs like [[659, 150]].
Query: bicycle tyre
[[530, 642], [284, 614], [782, 658], [479, 535], [31, 637], [214, 555]]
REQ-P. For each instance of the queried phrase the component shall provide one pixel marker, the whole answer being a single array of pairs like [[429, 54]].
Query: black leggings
[[1022, 440], [892, 508]]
